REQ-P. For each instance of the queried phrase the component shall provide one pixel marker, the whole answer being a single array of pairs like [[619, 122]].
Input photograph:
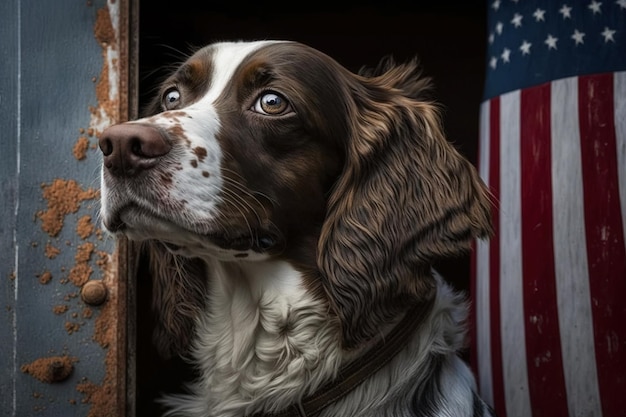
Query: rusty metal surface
[[62, 68]]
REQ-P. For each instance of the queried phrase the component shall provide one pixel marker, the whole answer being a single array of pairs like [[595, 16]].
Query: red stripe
[[473, 349], [605, 238], [543, 344], [499, 403]]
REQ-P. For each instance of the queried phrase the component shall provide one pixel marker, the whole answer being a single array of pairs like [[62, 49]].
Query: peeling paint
[[51, 369], [106, 31], [103, 398], [63, 197], [66, 200]]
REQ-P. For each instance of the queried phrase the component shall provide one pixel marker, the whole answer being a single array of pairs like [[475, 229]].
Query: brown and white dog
[[292, 211]]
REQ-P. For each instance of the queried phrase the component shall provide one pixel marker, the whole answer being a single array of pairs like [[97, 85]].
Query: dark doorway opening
[[449, 39]]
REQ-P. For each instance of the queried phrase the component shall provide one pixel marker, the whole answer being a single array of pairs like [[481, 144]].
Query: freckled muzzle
[[140, 208], [130, 148]]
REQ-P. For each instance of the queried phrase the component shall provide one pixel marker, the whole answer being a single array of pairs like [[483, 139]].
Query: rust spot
[[80, 148], [51, 252], [60, 309], [84, 227], [103, 259], [80, 274], [63, 197], [71, 327], [69, 296], [45, 277], [88, 389], [81, 271], [103, 29], [50, 369], [84, 251], [87, 313]]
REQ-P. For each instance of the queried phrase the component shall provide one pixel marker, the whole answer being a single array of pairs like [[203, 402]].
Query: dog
[[292, 212]]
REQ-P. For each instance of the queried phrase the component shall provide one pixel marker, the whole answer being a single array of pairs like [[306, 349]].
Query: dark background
[[448, 38]]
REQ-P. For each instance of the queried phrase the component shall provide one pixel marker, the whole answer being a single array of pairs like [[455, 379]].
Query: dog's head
[[272, 149]]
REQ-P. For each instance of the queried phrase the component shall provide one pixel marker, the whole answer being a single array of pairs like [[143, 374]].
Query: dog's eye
[[171, 98], [271, 104]]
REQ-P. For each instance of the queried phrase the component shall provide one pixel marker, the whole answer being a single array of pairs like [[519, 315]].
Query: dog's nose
[[130, 148]]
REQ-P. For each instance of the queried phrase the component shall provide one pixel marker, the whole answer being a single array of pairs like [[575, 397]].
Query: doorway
[[448, 39]]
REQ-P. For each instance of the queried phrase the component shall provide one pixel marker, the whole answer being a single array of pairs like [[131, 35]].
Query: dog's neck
[[262, 332]]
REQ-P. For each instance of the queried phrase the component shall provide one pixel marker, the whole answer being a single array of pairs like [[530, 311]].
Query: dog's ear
[[405, 199], [178, 296]]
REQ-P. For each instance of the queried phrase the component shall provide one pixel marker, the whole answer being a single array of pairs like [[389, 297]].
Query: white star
[[621, 3], [594, 6], [492, 37], [506, 54], [517, 20], [496, 5], [499, 27], [565, 11], [608, 34], [493, 62], [525, 48], [538, 14], [551, 41], [578, 36]]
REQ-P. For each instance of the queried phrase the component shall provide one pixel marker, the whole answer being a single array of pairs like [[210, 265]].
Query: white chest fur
[[262, 337]]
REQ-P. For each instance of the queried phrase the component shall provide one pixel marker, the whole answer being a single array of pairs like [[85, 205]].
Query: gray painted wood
[[49, 58]]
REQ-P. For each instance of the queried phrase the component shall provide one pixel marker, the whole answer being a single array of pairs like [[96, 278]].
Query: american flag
[[549, 289]]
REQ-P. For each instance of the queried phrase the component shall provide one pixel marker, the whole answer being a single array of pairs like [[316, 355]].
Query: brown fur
[[178, 296], [406, 199]]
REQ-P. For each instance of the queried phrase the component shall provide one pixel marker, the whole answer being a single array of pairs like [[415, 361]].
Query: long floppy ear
[[178, 296], [405, 199]]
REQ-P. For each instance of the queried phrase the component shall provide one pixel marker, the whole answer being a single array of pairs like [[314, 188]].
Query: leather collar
[[357, 371]]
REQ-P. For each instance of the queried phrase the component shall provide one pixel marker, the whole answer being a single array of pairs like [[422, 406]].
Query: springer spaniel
[[292, 211]]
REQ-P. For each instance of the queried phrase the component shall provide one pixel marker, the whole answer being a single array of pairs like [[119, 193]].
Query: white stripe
[[619, 97], [226, 59], [18, 169], [570, 253], [482, 304], [511, 289]]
